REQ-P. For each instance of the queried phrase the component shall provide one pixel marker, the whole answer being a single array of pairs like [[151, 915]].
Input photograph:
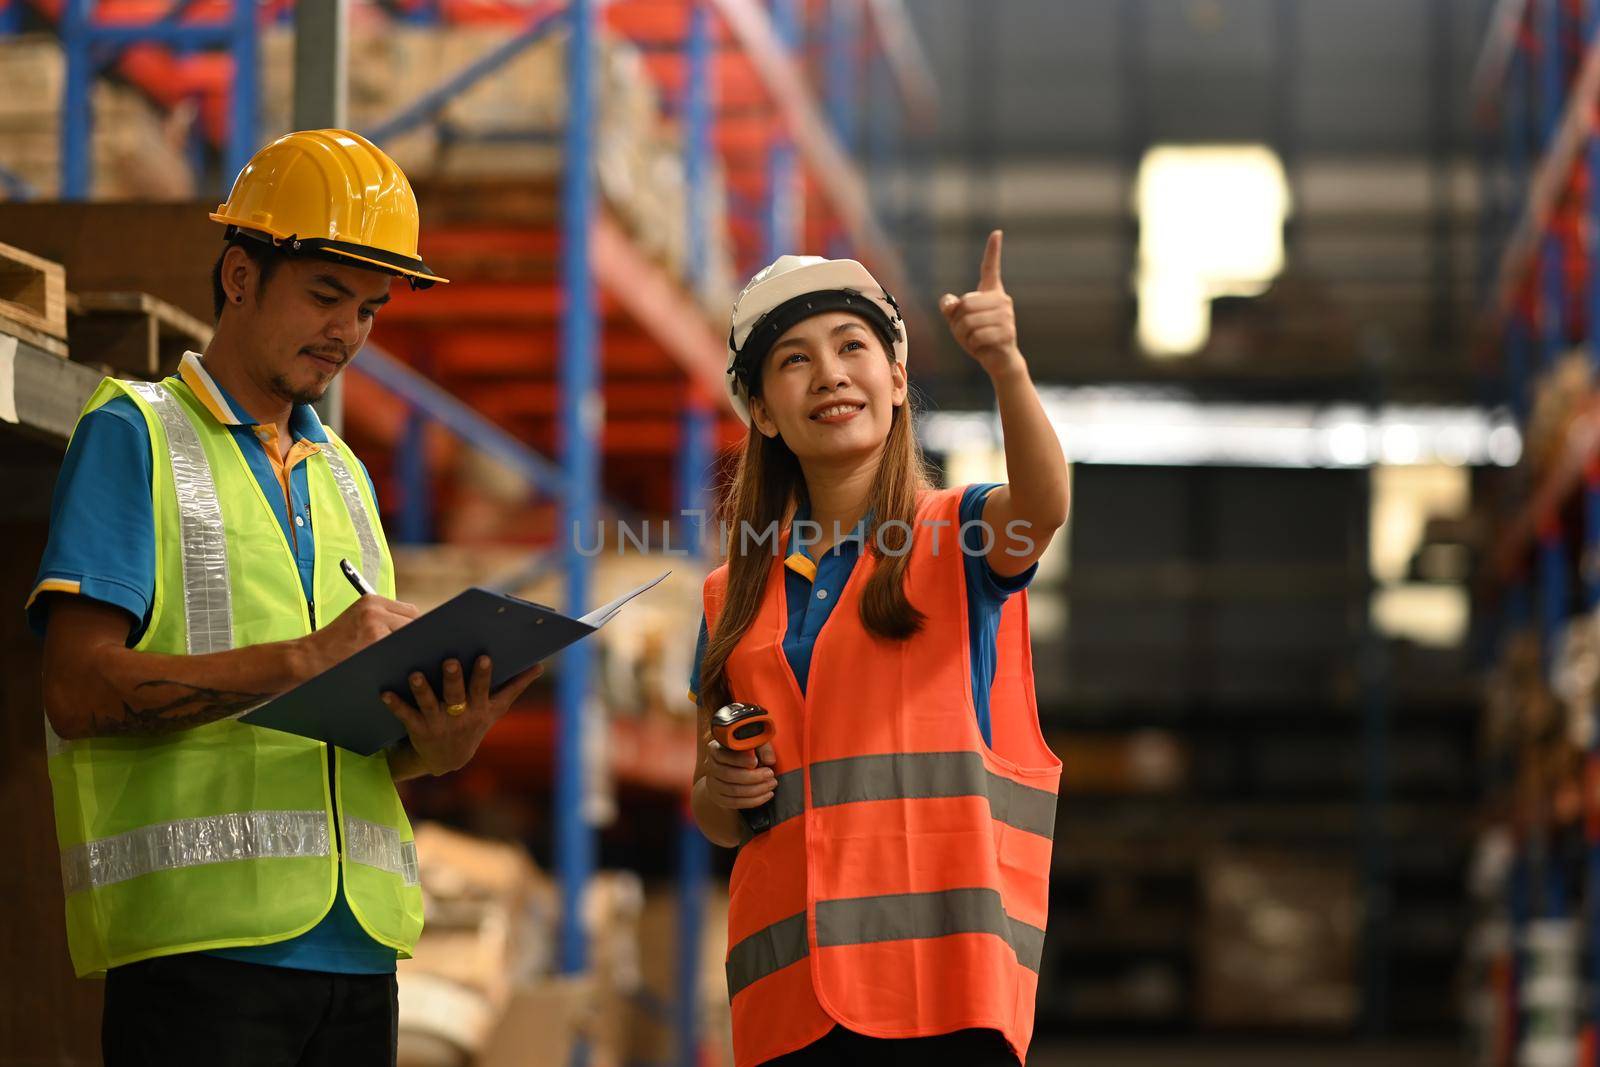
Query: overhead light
[[1210, 224], [1153, 427]]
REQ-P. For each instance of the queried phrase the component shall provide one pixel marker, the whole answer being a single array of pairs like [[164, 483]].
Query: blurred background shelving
[[1309, 289]]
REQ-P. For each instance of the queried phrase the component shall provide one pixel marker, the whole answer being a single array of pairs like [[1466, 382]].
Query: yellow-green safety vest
[[225, 835]]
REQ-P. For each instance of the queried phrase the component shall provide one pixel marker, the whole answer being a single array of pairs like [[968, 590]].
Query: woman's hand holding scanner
[[740, 776]]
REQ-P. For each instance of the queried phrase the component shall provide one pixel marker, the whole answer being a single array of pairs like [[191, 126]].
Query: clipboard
[[341, 705]]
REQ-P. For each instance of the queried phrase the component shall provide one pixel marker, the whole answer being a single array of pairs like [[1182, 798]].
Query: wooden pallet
[[33, 298], [28, 335], [134, 333]]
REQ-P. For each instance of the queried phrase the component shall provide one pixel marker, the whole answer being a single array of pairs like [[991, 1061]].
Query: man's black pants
[[193, 1008], [845, 1048]]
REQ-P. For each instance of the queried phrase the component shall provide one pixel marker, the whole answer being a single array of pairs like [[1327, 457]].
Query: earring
[[238, 298]]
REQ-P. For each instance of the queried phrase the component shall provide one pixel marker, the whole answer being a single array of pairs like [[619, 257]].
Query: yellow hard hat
[[333, 194]]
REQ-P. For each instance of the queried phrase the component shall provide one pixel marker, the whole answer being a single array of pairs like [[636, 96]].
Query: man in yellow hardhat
[[245, 892]]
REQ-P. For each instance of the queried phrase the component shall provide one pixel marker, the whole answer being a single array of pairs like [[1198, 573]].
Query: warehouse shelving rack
[[734, 74], [1535, 90]]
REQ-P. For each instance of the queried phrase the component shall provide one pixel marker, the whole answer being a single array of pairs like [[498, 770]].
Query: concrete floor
[[1179, 1052]]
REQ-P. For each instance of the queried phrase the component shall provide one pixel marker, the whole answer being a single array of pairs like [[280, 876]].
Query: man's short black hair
[[264, 255]]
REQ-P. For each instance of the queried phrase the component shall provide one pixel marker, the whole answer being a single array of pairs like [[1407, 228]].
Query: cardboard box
[[540, 1024]]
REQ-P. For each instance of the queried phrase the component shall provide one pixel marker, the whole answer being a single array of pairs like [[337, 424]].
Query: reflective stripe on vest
[[242, 835], [350, 493], [894, 917], [917, 776], [380, 846], [207, 595]]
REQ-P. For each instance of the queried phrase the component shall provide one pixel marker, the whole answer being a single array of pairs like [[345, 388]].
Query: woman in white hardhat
[[888, 901]]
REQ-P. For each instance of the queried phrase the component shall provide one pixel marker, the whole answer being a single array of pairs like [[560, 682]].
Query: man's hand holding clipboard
[[404, 675], [443, 729]]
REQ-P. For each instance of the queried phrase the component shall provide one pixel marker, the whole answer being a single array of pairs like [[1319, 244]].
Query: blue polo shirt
[[812, 587], [102, 545]]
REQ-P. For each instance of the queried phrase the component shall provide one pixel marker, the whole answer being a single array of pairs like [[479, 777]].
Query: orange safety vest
[[903, 886]]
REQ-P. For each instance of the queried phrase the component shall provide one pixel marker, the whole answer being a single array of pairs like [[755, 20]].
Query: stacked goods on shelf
[[1559, 397], [1488, 1005], [137, 152], [613, 903], [651, 1036], [490, 922], [1145, 761], [1278, 944], [1551, 987], [508, 125], [481, 987], [33, 300]]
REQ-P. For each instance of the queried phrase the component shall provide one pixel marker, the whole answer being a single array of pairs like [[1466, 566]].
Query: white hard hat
[[792, 289]]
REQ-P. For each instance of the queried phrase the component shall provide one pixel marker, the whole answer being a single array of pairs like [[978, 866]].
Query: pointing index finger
[[989, 278]]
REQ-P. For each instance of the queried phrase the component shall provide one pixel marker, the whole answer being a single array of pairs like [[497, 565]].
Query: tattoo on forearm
[[189, 706]]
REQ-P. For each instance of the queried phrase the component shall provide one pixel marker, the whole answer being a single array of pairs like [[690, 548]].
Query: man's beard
[[308, 395]]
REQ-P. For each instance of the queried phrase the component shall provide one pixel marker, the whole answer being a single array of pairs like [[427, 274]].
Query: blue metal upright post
[[77, 121], [697, 147], [1548, 55], [1552, 317], [1552, 295], [1554, 582], [784, 210], [883, 148], [843, 53], [694, 851], [694, 456], [1591, 578], [243, 104], [416, 490], [1517, 342], [580, 429]]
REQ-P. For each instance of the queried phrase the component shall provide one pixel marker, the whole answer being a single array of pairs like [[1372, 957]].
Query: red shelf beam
[[1551, 182]]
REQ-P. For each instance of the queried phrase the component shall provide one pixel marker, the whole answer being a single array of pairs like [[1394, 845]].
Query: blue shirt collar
[[303, 420], [856, 535]]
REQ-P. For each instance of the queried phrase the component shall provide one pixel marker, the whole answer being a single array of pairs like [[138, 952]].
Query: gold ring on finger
[[455, 709]]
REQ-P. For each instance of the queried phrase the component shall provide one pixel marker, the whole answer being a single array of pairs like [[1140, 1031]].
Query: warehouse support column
[[581, 418], [694, 850], [77, 121], [1590, 1014], [843, 54], [785, 207], [321, 88], [694, 458]]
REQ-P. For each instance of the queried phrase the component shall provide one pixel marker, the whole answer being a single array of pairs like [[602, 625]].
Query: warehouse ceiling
[[1047, 106]]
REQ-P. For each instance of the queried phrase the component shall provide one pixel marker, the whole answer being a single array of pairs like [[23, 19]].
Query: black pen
[[362, 585]]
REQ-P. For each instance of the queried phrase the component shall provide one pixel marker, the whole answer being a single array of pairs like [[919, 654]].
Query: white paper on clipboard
[[601, 615]]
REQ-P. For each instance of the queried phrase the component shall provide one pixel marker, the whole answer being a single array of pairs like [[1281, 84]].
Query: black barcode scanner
[[743, 728]]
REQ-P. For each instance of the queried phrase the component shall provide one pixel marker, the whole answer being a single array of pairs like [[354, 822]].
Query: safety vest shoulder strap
[[712, 594]]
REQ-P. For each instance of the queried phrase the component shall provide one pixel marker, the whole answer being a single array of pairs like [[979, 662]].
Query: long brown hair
[[766, 487]]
